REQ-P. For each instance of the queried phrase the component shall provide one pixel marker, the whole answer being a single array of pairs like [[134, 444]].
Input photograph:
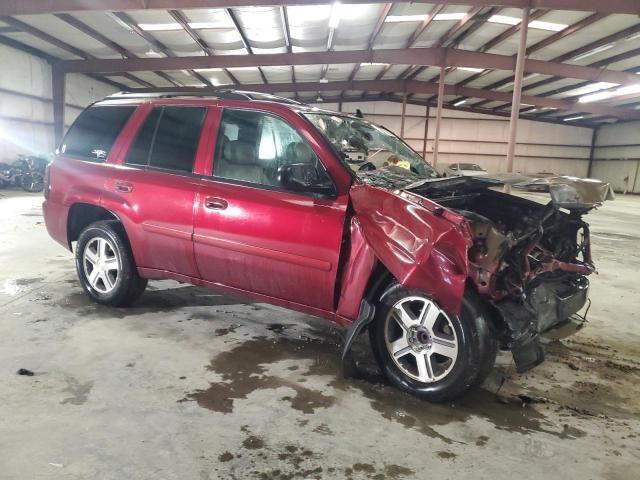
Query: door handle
[[215, 203], [123, 187]]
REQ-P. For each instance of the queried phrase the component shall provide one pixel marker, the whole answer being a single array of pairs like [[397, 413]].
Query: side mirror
[[304, 178]]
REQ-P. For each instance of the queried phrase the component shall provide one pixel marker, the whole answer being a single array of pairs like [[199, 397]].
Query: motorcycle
[[26, 172]]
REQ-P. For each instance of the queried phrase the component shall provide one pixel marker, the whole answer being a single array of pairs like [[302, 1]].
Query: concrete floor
[[190, 384]]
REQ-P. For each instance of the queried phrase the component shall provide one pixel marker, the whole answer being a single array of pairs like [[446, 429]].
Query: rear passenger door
[[155, 190], [249, 232]]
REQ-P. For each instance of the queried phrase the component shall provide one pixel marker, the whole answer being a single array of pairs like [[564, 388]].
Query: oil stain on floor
[[244, 369]]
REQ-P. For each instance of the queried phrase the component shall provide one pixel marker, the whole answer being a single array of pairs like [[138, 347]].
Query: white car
[[464, 170]]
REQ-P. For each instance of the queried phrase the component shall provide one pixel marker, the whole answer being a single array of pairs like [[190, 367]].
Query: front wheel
[[105, 265], [427, 351]]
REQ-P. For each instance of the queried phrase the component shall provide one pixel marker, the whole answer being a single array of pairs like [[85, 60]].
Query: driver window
[[252, 146]]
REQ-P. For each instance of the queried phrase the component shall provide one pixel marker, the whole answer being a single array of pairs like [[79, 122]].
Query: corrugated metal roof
[[264, 29]]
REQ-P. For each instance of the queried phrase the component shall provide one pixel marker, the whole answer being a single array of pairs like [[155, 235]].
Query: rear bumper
[[55, 219], [546, 305]]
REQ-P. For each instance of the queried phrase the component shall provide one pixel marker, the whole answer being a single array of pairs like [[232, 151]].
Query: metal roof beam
[[25, 27], [579, 51], [87, 30], [423, 56], [413, 86], [155, 43], [244, 40], [33, 7]]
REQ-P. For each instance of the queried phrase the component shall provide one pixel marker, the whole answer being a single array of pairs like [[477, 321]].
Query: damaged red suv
[[261, 196]]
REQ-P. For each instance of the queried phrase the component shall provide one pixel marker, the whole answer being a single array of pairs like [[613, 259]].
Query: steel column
[[404, 111], [426, 133], [58, 88], [592, 150], [439, 114], [517, 89]]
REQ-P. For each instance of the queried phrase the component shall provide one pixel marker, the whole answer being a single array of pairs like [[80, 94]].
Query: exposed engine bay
[[528, 260]]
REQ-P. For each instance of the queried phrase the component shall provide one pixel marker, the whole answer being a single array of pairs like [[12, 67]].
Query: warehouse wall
[[26, 110], [617, 156], [482, 139]]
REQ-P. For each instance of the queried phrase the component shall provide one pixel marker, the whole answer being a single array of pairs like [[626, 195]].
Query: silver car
[[464, 170]]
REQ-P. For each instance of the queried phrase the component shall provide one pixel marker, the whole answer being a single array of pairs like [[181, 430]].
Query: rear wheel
[[32, 182], [427, 351], [105, 265]]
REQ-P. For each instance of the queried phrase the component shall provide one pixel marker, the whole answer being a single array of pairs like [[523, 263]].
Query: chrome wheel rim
[[421, 339], [101, 265]]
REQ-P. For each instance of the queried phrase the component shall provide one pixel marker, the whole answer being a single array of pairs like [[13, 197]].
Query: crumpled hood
[[583, 193], [567, 192], [572, 193]]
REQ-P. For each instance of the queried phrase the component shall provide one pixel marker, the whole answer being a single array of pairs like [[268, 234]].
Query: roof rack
[[225, 94]]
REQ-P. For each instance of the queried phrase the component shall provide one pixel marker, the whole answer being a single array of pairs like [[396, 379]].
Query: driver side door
[[253, 235]]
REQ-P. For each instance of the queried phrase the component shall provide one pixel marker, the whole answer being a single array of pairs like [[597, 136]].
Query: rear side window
[[168, 139], [95, 131], [141, 147]]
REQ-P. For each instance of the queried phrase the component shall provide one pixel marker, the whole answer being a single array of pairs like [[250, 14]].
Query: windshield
[[374, 154]]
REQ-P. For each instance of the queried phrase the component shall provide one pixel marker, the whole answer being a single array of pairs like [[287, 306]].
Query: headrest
[[299, 152], [238, 152]]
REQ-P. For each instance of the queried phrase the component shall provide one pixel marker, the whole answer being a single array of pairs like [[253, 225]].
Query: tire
[[32, 182], [460, 349], [105, 265]]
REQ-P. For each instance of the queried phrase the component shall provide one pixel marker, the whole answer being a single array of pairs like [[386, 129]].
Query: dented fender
[[423, 245]]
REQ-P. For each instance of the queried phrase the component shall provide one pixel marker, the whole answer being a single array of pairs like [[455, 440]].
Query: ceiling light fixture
[[553, 27], [319, 99], [594, 97], [157, 27], [594, 51], [324, 80], [594, 87], [537, 24], [449, 16], [404, 18], [152, 53], [459, 102], [572, 118], [334, 18], [505, 20], [373, 64], [471, 69]]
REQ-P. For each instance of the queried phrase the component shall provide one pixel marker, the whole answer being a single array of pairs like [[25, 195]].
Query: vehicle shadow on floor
[[152, 301]]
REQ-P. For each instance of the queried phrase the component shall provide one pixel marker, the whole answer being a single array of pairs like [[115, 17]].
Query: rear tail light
[[47, 186]]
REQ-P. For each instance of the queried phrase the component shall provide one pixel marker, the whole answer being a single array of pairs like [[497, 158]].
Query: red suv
[[262, 196]]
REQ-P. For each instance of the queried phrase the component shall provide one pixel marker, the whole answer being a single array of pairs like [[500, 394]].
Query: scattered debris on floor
[[25, 372]]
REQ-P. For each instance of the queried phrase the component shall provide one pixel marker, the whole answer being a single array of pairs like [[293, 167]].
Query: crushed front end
[[528, 260]]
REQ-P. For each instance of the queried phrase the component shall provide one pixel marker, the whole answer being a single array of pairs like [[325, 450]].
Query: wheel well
[[380, 279], [83, 214]]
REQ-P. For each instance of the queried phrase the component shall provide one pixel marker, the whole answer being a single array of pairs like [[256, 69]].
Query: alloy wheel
[[421, 339], [101, 265]]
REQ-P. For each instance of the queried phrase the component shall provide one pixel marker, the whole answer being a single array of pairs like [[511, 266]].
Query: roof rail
[[226, 94]]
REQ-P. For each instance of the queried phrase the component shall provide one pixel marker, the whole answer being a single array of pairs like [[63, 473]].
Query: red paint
[[284, 248], [421, 249], [356, 273]]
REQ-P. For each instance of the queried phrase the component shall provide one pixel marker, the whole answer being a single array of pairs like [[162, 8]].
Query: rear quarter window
[[95, 131], [168, 138]]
